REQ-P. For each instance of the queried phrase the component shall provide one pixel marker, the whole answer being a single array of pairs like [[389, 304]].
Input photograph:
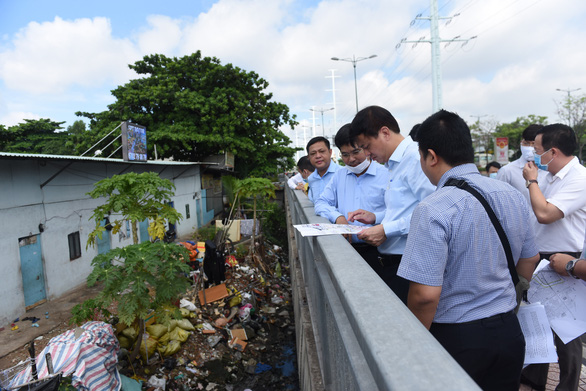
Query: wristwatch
[[570, 268], [530, 181]]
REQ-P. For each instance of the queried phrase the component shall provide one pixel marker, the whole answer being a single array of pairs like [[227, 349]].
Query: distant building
[[45, 219]]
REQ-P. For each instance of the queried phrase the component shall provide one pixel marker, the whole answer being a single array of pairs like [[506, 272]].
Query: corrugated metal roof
[[96, 159]]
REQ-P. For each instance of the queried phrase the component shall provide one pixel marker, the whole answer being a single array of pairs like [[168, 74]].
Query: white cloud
[[15, 117], [52, 57], [524, 51]]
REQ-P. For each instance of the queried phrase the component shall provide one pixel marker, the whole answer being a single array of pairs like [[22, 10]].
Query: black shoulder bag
[[520, 282]]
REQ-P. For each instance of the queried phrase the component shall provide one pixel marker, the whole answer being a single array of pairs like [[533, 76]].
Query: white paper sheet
[[327, 229], [539, 346], [564, 299]]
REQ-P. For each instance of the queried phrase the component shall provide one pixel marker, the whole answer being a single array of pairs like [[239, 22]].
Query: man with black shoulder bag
[[466, 250]]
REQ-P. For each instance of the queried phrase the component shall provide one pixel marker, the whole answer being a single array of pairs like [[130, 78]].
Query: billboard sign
[[134, 147]]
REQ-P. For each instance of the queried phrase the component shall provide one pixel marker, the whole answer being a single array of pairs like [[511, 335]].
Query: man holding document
[[560, 207]]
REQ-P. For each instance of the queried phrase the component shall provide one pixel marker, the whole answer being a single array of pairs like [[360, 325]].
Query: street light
[[322, 118], [354, 60], [569, 91]]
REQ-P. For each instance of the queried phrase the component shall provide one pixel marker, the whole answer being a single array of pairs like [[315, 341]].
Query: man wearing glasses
[[360, 184], [559, 203], [375, 130]]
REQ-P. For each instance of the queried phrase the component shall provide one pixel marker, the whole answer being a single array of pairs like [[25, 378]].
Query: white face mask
[[359, 168], [527, 153]]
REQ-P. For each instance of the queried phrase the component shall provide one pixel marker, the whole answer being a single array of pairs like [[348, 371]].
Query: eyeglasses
[[526, 143], [355, 152]]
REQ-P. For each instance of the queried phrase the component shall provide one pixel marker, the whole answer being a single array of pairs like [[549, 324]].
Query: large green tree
[[194, 107], [34, 136], [514, 130]]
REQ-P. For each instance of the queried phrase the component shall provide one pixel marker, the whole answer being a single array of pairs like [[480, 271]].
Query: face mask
[[527, 153], [359, 168], [493, 175], [538, 161], [305, 180]]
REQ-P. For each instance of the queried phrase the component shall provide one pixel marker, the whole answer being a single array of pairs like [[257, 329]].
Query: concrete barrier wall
[[353, 333]]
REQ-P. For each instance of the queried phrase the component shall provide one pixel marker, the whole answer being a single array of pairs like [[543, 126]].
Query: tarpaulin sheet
[[90, 358]]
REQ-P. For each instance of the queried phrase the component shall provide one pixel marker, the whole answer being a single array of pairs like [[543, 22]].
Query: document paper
[[564, 299], [539, 347]]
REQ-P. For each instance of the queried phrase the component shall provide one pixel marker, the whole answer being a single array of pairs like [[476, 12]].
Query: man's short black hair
[[448, 135], [559, 136], [370, 120], [413, 132], [317, 139], [304, 164], [496, 165], [530, 132], [343, 137]]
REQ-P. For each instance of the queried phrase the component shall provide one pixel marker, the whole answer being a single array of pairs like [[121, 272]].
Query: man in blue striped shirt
[[359, 184], [461, 287]]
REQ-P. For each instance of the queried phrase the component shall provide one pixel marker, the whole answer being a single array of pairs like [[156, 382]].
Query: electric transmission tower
[[435, 40]]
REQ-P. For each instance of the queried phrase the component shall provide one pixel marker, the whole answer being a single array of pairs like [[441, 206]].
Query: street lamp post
[[322, 118], [569, 91], [354, 60]]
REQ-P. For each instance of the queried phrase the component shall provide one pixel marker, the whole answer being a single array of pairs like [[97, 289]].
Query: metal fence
[[353, 333]]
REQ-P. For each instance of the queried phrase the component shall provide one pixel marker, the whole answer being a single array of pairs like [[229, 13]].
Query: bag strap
[[462, 184]]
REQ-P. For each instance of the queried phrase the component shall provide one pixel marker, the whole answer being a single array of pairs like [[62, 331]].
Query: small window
[[74, 246], [187, 211]]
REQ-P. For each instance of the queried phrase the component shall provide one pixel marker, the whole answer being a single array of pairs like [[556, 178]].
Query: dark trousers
[[569, 359], [490, 350], [370, 255], [390, 264]]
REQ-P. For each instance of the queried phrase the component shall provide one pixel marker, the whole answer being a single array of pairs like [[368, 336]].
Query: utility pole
[[334, 96], [435, 40], [569, 91], [313, 121]]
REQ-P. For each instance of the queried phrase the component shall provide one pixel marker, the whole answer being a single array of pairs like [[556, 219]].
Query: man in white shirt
[[375, 130], [512, 173], [559, 203], [304, 170]]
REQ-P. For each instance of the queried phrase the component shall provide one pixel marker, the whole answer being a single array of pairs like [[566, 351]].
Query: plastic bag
[[156, 330]]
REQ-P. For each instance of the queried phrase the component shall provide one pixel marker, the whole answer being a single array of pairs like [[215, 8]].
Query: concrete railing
[[353, 333]]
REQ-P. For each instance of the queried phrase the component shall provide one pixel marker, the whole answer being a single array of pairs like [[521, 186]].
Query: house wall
[[63, 207]]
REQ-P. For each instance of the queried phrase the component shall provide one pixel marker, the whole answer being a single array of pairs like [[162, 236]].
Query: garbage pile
[[236, 335]]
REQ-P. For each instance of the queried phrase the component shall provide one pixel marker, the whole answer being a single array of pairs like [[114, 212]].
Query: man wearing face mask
[[361, 184], [512, 173], [559, 203]]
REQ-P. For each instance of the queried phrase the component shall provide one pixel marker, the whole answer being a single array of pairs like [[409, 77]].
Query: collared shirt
[[406, 187], [512, 173], [453, 244], [294, 180], [317, 183], [347, 192], [567, 191]]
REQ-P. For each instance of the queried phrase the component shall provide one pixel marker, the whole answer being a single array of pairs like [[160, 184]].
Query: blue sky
[[58, 57]]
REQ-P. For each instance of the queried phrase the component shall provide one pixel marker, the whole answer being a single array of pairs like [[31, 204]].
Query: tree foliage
[[133, 197], [34, 136], [514, 130], [139, 277], [572, 111], [194, 107]]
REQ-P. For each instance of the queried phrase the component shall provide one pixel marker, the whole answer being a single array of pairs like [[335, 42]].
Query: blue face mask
[[305, 180], [538, 161], [492, 175]]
